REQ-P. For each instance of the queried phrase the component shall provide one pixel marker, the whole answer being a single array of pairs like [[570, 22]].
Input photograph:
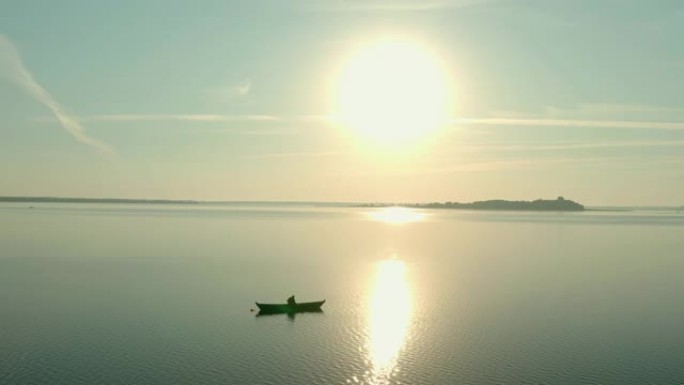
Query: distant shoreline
[[491, 205], [559, 204], [93, 200], [21, 199]]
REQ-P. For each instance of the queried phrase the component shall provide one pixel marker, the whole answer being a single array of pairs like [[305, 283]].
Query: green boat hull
[[267, 308]]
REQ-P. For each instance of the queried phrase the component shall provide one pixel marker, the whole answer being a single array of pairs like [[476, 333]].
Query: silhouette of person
[[291, 301]]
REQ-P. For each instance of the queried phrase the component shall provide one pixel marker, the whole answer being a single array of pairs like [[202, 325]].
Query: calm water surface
[[162, 294]]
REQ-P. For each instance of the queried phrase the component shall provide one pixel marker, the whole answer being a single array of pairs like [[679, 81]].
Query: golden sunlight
[[389, 318], [392, 93], [397, 215]]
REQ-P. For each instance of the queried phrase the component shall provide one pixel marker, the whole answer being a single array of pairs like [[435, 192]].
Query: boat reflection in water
[[290, 315], [388, 321]]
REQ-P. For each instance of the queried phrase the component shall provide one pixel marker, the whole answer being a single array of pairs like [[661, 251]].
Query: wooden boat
[[268, 308]]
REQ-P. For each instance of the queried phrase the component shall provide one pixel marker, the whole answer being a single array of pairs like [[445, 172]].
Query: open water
[[163, 294]]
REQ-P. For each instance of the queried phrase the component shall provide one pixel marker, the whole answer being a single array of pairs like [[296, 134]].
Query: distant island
[[559, 204]]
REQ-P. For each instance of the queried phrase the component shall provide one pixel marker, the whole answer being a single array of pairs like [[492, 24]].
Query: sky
[[237, 100]]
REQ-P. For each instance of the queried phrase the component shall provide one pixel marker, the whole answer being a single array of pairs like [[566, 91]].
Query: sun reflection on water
[[397, 215], [389, 318]]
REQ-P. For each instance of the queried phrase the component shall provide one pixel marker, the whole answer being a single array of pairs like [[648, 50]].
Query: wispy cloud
[[598, 115], [612, 111], [13, 68], [242, 88], [262, 131], [478, 147], [303, 154], [517, 120], [202, 118], [572, 123], [231, 93], [178, 117], [208, 118], [255, 125]]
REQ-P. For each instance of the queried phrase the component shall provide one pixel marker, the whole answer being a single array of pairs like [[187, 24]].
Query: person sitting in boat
[[291, 301]]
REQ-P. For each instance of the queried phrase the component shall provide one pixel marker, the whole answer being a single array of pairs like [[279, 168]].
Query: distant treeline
[[91, 200], [560, 204]]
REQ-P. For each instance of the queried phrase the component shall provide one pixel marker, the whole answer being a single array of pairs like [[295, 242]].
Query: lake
[[164, 294]]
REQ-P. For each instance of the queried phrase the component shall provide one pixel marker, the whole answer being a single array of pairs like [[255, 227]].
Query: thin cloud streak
[[572, 123], [208, 118], [329, 119], [257, 132], [568, 146], [294, 154], [12, 67], [179, 117], [603, 108], [257, 125]]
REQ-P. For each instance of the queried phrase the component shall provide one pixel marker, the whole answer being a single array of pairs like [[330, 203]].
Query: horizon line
[[61, 199]]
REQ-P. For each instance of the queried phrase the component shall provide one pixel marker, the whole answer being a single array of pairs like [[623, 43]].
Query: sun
[[392, 92]]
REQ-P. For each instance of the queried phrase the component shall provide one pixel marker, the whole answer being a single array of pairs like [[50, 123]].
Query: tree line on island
[[559, 204]]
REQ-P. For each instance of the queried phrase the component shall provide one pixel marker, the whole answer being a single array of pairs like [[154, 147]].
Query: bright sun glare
[[390, 316], [397, 215], [392, 93]]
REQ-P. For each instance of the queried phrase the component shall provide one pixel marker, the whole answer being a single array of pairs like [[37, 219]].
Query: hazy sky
[[232, 100]]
